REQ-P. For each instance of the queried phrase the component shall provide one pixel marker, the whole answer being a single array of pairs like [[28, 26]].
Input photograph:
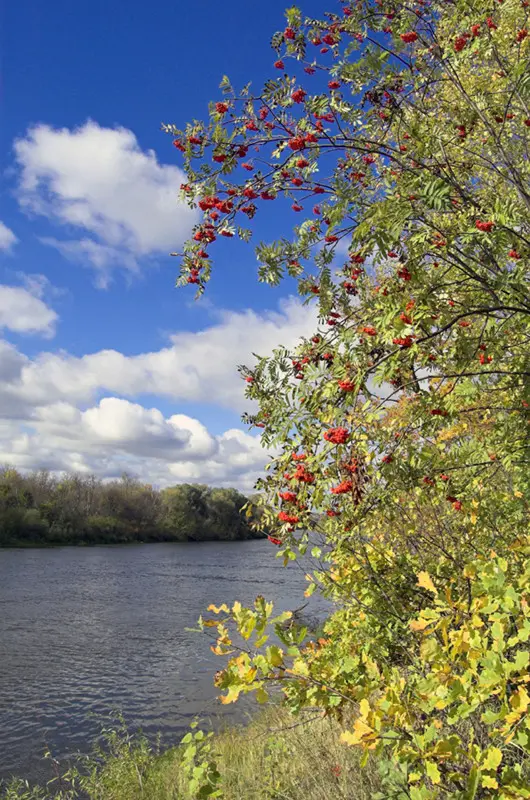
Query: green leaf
[[492, 758], [261, 695], [433, 773], [472, 784]]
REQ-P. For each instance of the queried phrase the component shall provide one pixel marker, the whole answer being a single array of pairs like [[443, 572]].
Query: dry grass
[[272, 758], [276, 757]]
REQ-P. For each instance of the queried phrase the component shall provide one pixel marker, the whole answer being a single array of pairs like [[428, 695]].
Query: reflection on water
[[84, 631]]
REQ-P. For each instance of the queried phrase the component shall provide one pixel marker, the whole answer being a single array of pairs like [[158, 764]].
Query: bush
[[400, 426]]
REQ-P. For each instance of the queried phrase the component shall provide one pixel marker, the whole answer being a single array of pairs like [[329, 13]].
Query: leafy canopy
[[397, 135]]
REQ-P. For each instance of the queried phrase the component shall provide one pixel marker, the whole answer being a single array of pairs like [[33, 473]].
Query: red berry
[[290, 518], [297, 143], [342, 488], [337, 435], [298, 96]]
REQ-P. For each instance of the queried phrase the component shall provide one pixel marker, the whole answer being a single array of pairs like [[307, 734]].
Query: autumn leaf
[[425, 581]]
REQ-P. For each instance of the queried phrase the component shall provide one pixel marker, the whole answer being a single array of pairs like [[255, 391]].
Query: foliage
[[400, 140], [38, 508]]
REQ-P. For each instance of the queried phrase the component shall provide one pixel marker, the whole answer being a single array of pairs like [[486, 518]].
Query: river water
[[86, 631]]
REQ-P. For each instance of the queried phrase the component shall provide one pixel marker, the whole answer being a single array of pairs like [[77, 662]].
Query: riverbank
[[108, 541], [274, 756], [39, 510]]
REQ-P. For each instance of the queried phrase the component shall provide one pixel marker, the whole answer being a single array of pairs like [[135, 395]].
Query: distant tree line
[[39, 508]]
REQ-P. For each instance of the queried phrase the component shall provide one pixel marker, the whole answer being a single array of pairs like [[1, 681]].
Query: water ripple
[[86, 631]]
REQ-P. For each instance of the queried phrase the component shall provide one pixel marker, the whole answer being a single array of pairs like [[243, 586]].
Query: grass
[[274, 757]]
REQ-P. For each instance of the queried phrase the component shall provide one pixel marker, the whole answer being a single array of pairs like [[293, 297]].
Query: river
[[86, 631]]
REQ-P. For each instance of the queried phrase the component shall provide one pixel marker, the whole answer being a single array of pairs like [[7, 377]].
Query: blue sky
[[104, 365]]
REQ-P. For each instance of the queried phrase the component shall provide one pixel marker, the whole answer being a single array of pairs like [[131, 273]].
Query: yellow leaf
[[520, 700], [418, 624], [221, 650], [360, 734], [489, 783], [231, 697], [473, 518], [517, 494], [348, 738], [425, 581], [364, 707], [217, 610]]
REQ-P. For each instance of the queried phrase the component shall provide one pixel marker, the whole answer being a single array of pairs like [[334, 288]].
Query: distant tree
[[39, 508]]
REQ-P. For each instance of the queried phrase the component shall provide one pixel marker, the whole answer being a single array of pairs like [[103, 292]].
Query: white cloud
[[118, 435], [131, 428], [11, 364], [99, 180], [23, 311], [7, 238], [51, 414], [197, 366]]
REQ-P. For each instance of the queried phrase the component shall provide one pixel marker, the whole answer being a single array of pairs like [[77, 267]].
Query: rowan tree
[[397, 136]]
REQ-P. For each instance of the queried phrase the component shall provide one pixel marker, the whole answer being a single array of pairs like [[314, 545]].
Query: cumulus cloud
[[121, 199], [196, 367], [11, 364], [53, 414], [23, 311], [7, 238], [117, 435]]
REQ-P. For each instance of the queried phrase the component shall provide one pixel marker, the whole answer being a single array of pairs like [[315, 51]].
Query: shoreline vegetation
[[274, 755], [38, 509], [401, 421]]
